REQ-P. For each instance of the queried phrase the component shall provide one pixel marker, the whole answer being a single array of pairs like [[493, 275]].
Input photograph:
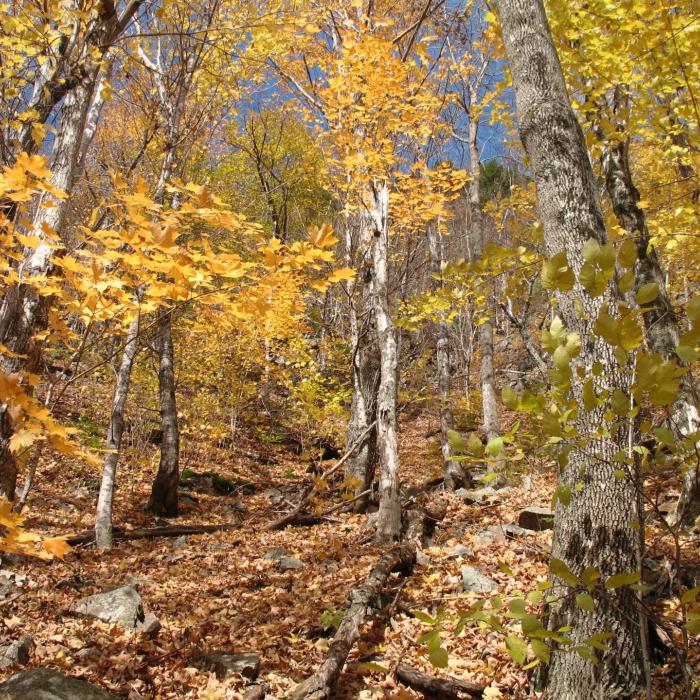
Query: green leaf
[[585, 602], [423, 617], [693, 623], [517, 648], [587, 653], [556, 273], [692, 308], [438, 657], [627, 255], [619, 580], [474, 445], [541, 650], [626, 282], [591, 250], [562, 571], [690, 595], [456, 441], [647, 293], [686, 353], [373, 666], [494, 447], [607, 327], [620, 403]]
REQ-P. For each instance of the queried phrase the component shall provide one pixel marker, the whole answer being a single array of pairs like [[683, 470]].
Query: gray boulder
[[275, 554], [18, 652], [474, 580], [47, 684], [291, 564], [493, 534], [534, 518], [459, 551], [122, 605], [225, 665]]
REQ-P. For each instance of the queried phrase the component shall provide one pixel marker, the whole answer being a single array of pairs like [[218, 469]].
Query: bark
[[88, 537], [660, 323], [103, 515], [24, 310], [448, 688], [454, 474], [321, 685], [389, 517], [596, 529], [163, 500], [365, 375]]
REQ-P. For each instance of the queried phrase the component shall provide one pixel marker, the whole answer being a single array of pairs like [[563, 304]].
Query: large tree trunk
[[454, 474], [389, 517], [163, 500], [661, 326], [597, 528], [365, 370], [103, 515]]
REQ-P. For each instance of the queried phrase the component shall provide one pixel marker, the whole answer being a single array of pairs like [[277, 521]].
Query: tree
[[595, 530]]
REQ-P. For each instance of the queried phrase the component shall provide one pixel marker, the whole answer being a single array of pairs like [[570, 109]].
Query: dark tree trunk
[[163, 499]]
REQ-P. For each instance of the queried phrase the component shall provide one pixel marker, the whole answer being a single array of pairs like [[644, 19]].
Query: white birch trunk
[[389, 517], [103, 514]]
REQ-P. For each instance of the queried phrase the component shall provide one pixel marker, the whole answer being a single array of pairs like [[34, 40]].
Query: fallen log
[[88, 536], [431, 686], [321, 685]]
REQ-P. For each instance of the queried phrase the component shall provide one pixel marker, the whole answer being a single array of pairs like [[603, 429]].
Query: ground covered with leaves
[[219, 592]]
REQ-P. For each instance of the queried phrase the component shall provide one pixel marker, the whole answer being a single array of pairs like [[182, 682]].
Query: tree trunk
[[103, 515], [597, 528], [454, 474], [24, 311], [660, 322], [163, 499], [361, 466], [389, 517]]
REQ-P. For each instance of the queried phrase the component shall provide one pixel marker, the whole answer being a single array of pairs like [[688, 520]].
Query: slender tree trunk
[[163, 499], [361, 466], [103, 515], [661, 325], [454, 474], [389, 518], [597, 528]]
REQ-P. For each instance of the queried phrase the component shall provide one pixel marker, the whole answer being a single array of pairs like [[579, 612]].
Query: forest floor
[[215, 592]]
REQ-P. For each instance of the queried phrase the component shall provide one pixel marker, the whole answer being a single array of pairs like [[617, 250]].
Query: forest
[[349, 349]]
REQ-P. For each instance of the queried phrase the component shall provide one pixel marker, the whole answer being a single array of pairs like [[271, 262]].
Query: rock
[[18, 652], [487, 494], [474, 580], [526, 483], [150, 625], [275, 554], [667, 507], [534, 518], [493, 534], [122, 605], [225, 665], [459, 551], [513, 531], [180, 542], [89, 653], [47, 684], [7, 576], [274, 495], [187, 498], [422, 559], [372, 518], [291, 564]]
